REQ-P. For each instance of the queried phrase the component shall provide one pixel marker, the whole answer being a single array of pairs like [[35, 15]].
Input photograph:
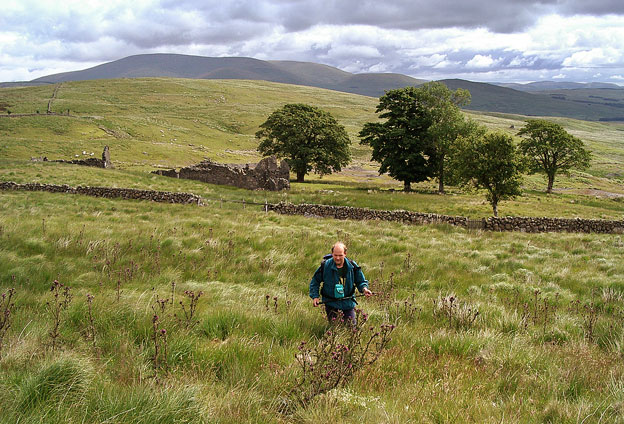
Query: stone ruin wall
[[521, 224], [266, 175], [108, 192], [105, 162]]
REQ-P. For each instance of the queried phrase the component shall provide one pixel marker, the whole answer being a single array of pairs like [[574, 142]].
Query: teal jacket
[[329, 277]]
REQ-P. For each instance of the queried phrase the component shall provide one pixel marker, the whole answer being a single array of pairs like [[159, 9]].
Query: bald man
[[340, 277]]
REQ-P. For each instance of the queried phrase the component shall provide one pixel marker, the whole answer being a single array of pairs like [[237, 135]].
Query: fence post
[[243, 203], [266, 206]]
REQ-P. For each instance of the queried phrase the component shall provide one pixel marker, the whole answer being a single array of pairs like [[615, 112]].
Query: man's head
[[339, 250]]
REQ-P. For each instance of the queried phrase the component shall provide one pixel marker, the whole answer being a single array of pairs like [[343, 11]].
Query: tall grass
[[519, 360], [546, 345]]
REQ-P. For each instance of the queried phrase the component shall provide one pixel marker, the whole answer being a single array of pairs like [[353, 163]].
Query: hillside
[[524, 99], [198, 67], [553, 85], [166, 123], [490, 327], [562, 103]]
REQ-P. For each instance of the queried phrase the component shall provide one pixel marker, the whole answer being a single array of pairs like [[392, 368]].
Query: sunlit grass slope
[[546, 345], [151, 123]]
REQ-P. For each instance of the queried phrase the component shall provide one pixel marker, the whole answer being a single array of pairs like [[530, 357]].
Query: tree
[[309, 138], [550, 149], [447, 123], [422, 124], [489, 161], [400, 144]]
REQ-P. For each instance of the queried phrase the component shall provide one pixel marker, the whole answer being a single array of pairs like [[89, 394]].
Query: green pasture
[[547, 344], [524, 359]]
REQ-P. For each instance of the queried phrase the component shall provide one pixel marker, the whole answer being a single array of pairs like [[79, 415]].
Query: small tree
[[421, 127], [489, 162], [400, 143], [447, 123], [551, 149], [309, 138]]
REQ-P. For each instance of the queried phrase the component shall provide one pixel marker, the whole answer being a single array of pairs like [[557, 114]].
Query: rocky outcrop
[[266, 175]]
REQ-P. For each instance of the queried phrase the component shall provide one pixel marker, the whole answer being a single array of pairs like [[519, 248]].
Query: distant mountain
[[597, 104], [595, 101], [554, 85], [287, 72]]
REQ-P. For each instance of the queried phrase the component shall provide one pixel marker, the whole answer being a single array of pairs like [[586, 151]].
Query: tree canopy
[[550, 149], [422, 124], [308, 138], [447, 123], [489, 161], [400, 144]]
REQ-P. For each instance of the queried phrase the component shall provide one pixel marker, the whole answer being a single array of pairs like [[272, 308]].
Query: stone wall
[[107, 192], [542, 225], [522, 224], [266, 175], [105, 162]]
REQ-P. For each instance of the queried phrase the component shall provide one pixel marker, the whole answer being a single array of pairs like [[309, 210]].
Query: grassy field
[[546, 345]]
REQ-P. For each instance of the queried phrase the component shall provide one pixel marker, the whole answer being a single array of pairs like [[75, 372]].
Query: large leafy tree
[[550, 149], [447, 123], [422, 124], [308, 138], [489, 161], [400, 144]]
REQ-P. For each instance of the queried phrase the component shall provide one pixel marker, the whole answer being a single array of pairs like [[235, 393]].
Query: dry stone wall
[[266, 175], [105, 162], [108, 192], [522, 224]]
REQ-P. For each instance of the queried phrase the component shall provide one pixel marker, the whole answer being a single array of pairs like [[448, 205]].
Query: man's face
[[338, 255]]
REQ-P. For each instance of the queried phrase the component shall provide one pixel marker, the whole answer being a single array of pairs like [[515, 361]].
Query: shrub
[[343, 350]]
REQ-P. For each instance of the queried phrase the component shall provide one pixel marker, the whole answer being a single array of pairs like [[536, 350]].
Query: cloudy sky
[[487, 40]]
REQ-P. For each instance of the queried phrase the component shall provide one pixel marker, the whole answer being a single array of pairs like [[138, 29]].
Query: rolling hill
[[595, 102], [197, 67], [588, 104]]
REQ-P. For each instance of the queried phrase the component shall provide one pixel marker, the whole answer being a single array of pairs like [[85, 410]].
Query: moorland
[[545, 346]]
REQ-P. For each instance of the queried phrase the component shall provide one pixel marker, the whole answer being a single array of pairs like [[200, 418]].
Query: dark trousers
[[346, 315]]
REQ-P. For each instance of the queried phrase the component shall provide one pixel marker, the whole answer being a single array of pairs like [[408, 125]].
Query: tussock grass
[[547, 345], [517, 360]]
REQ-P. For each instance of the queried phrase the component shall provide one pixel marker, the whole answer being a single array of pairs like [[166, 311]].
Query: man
[[340, 277]]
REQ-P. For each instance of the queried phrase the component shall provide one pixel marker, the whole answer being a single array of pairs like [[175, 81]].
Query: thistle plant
[[62, 297], [342, 351], [159, 338], [6, 308], [90, 333], [190, 309], [460, 316]]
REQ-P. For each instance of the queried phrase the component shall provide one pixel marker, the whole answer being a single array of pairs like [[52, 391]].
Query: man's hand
[[316, 301], [367, 292]]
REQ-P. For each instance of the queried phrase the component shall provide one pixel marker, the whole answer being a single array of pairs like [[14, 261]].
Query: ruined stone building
[[265, 175]]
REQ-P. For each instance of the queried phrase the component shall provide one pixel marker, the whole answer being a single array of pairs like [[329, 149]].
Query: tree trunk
[[300, 176], [495, 208], [441, 177], [551, 181], [407, 186]]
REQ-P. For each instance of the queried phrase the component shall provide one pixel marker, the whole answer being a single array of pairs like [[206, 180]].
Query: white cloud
[[481, 61], [503, 39], [594, 57]]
